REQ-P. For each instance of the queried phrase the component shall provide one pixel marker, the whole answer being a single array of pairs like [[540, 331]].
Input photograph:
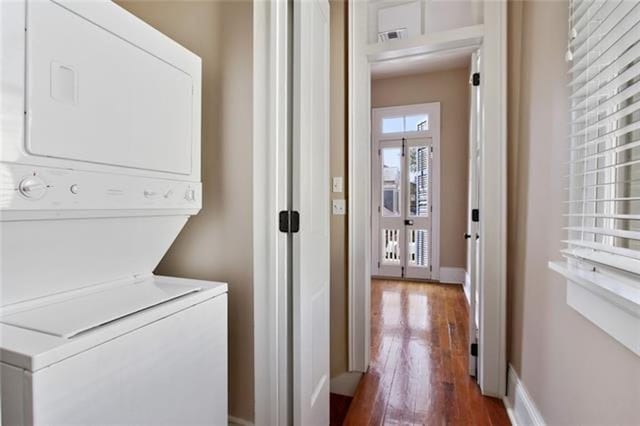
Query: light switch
[[337, 184], [339, 207]]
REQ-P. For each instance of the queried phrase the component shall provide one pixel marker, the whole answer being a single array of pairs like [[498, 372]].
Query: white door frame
[[432, 109], [492, 303]]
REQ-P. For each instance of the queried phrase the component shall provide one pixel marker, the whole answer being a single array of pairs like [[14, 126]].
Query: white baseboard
[[346, 383], [452, 275], [239, 422], [521, 409]]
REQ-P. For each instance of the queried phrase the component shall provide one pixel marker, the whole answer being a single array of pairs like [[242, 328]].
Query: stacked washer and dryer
[[100, 170]]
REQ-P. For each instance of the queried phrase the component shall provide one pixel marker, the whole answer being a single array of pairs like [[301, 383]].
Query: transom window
[[405, 123]]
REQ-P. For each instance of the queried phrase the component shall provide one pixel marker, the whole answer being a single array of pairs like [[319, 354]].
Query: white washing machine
[[99, 172]]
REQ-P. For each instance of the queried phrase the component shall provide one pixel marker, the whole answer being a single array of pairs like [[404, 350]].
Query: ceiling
[[441, 61]]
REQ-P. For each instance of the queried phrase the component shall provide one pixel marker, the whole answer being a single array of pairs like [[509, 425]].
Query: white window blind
[[603, 214]]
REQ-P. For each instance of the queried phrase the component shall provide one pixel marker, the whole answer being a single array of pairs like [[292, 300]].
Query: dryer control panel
[[32, 188]]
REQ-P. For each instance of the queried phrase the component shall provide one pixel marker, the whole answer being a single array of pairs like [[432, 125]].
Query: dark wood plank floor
[[418, 371], [339, 408]]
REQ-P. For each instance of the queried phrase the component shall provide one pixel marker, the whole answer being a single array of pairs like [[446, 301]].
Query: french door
[[403, 187]]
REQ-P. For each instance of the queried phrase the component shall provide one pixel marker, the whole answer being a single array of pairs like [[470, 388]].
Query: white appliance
[[99, 172]]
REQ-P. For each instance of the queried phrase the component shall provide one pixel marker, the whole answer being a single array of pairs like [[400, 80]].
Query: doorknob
[[467, 236], [408, 222]]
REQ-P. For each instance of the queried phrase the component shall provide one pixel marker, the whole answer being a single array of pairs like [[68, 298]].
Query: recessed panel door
[[472, 235], [310, 254]]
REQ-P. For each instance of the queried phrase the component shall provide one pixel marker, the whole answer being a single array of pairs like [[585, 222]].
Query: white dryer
[[99, 172]]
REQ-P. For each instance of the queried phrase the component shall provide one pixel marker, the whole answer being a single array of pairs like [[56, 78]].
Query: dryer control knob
[[32, 187]]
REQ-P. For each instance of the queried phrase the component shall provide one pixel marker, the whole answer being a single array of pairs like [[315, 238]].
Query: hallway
[[418, 371]]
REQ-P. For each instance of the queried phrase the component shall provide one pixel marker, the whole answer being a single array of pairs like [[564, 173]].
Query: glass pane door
[[391, 200], [403, 188], [418, 208]]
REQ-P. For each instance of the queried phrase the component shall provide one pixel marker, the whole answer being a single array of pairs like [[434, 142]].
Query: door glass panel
[[406, 123], [416, 123], [418, 247], [393, 125], [391, 246], [419, 181], [391, 181]]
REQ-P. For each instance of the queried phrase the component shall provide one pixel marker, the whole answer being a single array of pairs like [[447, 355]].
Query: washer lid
[[72, 317]]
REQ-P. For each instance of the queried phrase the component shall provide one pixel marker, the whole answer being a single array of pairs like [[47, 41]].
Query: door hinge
[[379, 152], [378, 264], [473, 349], [475, 215], [475, 79], [403, 141], [402, 271], [289, 221], [430, 268]]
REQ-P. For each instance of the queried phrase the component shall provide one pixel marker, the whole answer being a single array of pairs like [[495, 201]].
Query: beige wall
[[574, 371], [217, 244], [339, 307], [451, 89]]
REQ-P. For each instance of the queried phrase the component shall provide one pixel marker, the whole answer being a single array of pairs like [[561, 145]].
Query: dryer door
[[96, 97]]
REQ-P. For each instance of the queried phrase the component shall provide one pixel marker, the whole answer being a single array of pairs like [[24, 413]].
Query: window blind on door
[[603, 214]]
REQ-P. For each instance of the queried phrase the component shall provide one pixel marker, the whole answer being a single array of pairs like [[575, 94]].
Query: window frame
[[606, 294]]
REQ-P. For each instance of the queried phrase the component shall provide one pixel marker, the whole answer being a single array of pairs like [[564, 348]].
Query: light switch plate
[[337, 184], [339, 207]]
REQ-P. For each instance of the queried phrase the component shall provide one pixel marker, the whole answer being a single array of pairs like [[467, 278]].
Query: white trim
[[452, 275], [269, 191], [428, 44], [359, 158], [492, 310], [612, 305], [238, 421], [520, 407], [346, 383]]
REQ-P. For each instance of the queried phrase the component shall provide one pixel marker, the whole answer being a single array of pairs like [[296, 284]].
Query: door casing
[[492, 36]]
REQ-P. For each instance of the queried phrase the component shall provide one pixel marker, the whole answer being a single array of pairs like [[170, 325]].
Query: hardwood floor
[[339, 408], [418, 371]]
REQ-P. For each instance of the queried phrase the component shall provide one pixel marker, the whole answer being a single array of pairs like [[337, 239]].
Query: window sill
[[612, 305]]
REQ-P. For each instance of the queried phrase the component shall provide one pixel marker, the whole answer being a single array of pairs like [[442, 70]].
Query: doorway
[[406, 187], [489, 35]]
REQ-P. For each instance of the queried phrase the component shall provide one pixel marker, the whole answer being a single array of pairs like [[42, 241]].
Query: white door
[[418, 207], [405, 191], [472, 235], [310, 255]]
